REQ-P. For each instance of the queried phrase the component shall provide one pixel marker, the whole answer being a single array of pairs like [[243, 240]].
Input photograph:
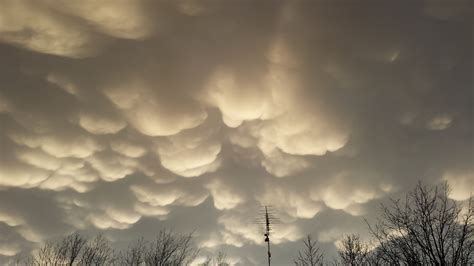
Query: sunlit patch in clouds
[[121, 116]]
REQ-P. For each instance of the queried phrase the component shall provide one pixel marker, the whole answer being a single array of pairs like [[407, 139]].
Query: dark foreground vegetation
[[167, 249], [426, 228]]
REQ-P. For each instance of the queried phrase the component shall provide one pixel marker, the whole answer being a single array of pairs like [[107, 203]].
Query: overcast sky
[[126, 117]]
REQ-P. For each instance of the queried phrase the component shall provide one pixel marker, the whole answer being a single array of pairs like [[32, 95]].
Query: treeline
[[426, 228], [167, 249]]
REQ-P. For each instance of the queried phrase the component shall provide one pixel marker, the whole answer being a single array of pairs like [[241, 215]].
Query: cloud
[[125, 117], [148, 112], [350, 185], [238, 232], [162, 195], [80, 146], [223, 195], [439, 122], [127, 148], [34, 26], [461, 184], [192, 152], [295, 204], [18, 175], [97, 124], [108, 18]]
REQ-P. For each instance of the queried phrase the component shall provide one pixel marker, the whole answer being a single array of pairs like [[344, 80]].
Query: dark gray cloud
[[127, 117]]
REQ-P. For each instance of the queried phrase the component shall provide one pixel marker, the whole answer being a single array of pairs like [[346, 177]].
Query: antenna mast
[[268, 220], [267, 234]]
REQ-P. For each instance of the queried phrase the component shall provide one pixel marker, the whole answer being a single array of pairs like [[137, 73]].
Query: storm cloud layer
[[125, 117]]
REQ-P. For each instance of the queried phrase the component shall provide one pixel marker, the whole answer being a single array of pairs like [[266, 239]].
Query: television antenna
[[267, 218]]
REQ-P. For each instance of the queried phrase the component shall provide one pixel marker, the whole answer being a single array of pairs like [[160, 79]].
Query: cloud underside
[[118, 113]]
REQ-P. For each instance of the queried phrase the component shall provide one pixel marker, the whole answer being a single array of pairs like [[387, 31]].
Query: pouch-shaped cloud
[[190, 162], [109, 18], [238, 231], [286, 120], [35, 26], [14, 174], [301, 134], [55, 27], [224, 196], [125, 217], [60, 182], [439, 122], [99, 124], [290, 202], [235, 96], [111, 167], [152, 119], [164, 195], [78, 146], [332, 197], [59, 173], [5, 105], [461, 183], [9, 249], [151, 114], [127, 148], [191, 152], [290, 127], [38, 158], [10, 218], [281, 164], [237, 102], [149, 210], [346, 183], [103, 221]]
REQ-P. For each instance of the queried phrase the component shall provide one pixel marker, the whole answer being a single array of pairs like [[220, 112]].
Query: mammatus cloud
[[125, 117], [68, 29], [461, 183]]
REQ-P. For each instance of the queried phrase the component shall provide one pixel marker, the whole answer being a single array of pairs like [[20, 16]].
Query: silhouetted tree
[[171, 249], [352, 251], [426, 229], [65, 252], [134, 255], [167, 249], [71, 247], [311, 255], [97, 252], [220, 260], [47, 255]]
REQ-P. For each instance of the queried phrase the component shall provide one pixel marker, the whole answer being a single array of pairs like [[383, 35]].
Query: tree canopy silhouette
[[427, 228]]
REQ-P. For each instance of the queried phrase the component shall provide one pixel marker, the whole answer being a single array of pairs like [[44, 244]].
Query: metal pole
[[269, 254], [268, 235]]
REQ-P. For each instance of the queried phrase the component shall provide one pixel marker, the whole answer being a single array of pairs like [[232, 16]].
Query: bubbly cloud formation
[[124, 117]]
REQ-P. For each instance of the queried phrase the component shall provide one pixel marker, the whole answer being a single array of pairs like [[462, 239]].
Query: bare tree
[[171, 249], [311, 255], [166, 250], [427, 228], [97, 252], [71, 246], [47, 255], [207, 262], [64, 252], [352, 251], [221, 259], [134, 255]]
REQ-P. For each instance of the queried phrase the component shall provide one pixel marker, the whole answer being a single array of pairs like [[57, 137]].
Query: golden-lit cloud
[[461, 184], [125, 117]]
